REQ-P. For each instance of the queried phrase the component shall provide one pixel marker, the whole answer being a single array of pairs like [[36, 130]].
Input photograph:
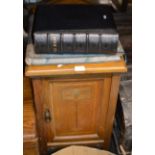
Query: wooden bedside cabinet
[[75, 103]]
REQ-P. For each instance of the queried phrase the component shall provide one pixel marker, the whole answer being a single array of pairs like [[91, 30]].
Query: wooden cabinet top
[[71, 69]]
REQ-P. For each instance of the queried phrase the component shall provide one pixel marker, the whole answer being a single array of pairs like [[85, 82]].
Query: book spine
[[58, 43]]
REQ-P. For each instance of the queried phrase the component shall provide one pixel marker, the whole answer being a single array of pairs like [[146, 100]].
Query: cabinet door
[[77, 111]]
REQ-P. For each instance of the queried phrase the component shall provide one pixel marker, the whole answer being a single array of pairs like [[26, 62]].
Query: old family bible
[[74, 29]]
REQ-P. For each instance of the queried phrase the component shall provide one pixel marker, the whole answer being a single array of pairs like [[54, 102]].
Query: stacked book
[[73, 34]]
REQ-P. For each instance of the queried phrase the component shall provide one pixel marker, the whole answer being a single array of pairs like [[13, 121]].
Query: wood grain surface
[[27, 89], [30, 139], [29, 122], [111, 109], [49, 70]]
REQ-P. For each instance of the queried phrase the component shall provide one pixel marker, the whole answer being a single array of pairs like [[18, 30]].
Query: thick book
[[82, 29]]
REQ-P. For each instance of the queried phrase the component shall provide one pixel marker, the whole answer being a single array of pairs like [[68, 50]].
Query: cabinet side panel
[[111, 109], [105, 93], [38, 100]]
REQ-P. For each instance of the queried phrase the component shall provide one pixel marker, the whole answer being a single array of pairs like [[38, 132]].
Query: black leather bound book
[[74, 29]]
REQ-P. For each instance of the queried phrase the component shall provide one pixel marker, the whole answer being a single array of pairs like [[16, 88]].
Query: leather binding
[[41, 42], [60, 29], [54, 42], [80, 44]]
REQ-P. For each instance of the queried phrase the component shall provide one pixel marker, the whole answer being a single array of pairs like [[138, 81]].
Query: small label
[[59, 65], [79, 68]]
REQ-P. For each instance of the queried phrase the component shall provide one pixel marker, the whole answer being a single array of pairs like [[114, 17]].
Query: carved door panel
[[78, 110]]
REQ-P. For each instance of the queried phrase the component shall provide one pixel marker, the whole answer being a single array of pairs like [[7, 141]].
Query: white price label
[[79, 68]]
